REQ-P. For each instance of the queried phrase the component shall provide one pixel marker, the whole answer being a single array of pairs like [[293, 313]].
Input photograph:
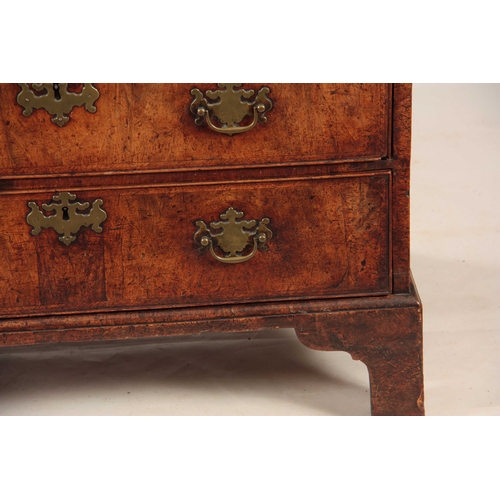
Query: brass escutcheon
[[234, 236], [230, 107], [57, 100], [66, 221]]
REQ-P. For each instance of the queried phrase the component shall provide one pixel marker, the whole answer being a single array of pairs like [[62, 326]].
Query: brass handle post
[[229, 107], [233, 237]]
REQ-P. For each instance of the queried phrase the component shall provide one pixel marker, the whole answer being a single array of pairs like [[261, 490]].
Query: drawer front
[[140, 127], [330, 238]]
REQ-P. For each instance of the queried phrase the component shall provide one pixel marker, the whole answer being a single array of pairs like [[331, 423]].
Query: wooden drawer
[[317, 207], [144, 127], [331, 238]]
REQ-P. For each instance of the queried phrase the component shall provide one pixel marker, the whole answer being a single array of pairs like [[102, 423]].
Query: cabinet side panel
[[401, 149]]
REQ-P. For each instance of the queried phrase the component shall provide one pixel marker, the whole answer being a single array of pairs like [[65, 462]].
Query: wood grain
[[401, 187], [385, 333], [330, 169], [145, 126], [336, 244]]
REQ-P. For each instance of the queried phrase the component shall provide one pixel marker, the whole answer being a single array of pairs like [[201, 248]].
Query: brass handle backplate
[[234, 237], [66, 221], [56, 100], [230, 107]]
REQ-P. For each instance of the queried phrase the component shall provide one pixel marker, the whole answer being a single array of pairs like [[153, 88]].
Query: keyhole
[[57, 94], [65, 213]]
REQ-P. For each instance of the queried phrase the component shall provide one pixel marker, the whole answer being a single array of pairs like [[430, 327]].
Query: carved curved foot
[[396, 379], [387, 339]]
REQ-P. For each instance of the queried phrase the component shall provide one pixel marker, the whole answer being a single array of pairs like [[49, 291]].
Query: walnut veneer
[[329, 169]]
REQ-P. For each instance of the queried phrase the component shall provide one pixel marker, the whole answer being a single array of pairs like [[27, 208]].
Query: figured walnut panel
[[331, 238], [149, 126]]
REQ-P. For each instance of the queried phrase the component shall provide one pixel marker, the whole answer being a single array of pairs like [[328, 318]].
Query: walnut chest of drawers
[[143, 210]]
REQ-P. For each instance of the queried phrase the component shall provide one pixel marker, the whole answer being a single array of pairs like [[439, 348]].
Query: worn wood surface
[[389, 342], [336, 244], [330, 169], [385, 333], [144, 127], [401, 146]]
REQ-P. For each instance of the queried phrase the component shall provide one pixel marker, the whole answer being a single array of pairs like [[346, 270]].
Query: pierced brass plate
[[234, 237], [66, 221], [57, 100], [230, 108]]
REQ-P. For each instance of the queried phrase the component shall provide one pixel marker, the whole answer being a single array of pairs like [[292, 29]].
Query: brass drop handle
[[230, 107], [66, 220], [234, 237]]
